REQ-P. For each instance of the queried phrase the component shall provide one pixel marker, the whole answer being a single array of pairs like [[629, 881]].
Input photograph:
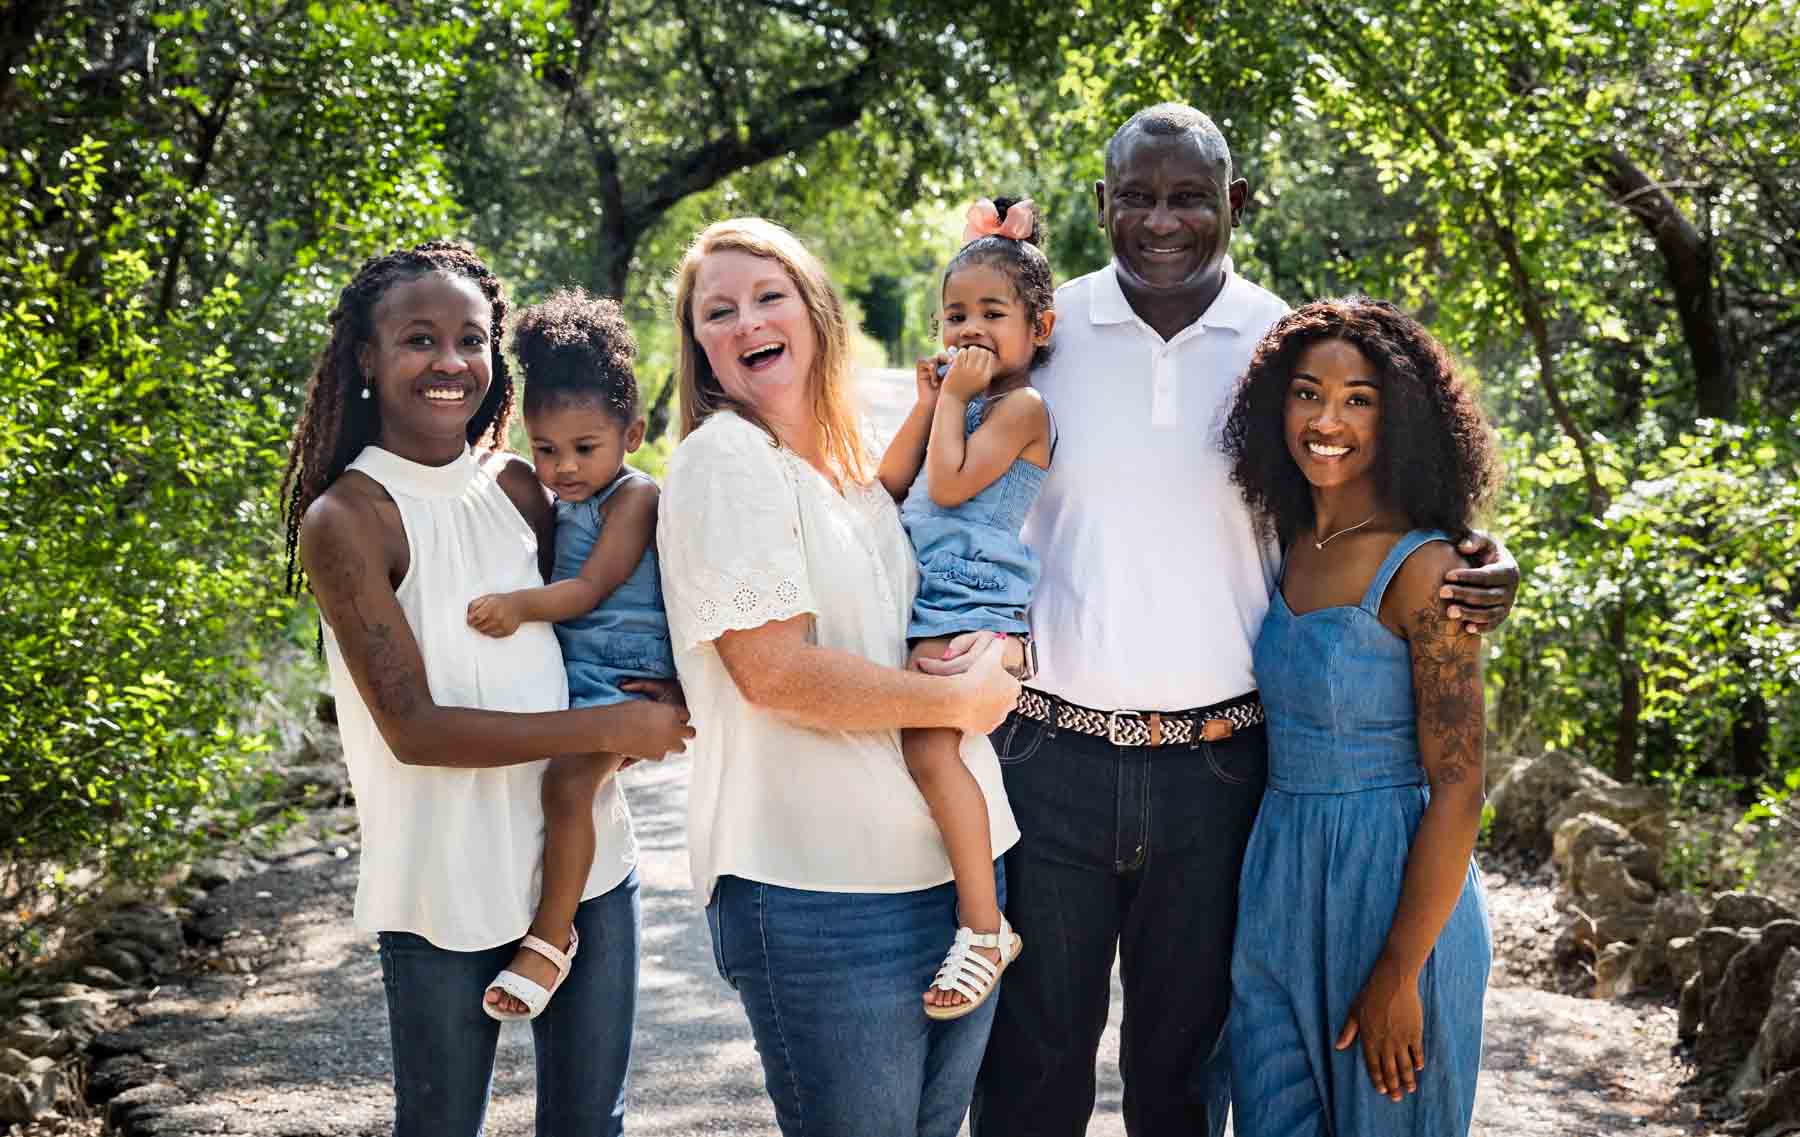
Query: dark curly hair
[[577, 348], [336, 422], [1023, 263], [1438, 462]]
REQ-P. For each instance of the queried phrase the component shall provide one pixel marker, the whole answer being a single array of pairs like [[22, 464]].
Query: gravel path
[[299, 1044]]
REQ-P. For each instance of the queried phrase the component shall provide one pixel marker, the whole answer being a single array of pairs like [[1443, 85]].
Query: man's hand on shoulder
[[1480, 593]]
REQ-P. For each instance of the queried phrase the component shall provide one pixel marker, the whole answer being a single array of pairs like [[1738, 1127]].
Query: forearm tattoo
[[1448, 694], [394, 685]]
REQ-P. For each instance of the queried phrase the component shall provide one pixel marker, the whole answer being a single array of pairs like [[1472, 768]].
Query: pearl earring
[[368, 379]]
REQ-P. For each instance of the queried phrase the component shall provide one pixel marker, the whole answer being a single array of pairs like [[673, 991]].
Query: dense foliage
[[181, 194]]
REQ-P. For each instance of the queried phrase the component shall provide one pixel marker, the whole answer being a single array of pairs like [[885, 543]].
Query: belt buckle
[[1113, 725]]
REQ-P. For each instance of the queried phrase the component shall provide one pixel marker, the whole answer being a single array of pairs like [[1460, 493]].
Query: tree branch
[[1687, 264], [212, 127], [807, 115]]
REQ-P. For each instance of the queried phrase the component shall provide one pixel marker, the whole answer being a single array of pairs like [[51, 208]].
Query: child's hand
[[494, 615], [1390, 1019], [926, 376], [969, 373], [989, 693]]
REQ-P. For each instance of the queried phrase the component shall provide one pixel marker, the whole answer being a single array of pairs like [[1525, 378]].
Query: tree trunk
[[1631, 695], [661, 409], [1687, 257], [613, 250], [1750, 748]]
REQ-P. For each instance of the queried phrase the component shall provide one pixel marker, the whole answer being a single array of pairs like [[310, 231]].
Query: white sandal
[[971, 974], [525, 990]]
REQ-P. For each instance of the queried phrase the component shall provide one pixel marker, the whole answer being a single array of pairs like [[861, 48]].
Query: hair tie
[[983, 220]]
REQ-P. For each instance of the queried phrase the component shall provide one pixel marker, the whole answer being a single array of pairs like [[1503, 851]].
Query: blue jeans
[[1130, 850], [444, 1042], [833, 983]]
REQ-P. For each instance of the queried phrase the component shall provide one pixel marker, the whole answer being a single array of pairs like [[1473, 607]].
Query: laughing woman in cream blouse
[[788, 581]]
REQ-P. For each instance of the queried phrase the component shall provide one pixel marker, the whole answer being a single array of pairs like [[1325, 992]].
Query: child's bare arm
[[960, 468], [629, 529], [904, 456]]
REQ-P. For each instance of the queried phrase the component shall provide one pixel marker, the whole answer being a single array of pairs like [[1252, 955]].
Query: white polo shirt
[[1155, 581]]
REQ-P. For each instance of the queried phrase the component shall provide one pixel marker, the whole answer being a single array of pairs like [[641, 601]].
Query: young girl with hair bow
[[966, 465]]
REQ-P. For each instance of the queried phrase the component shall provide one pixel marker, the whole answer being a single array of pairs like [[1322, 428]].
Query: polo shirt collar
[[1229, 309]]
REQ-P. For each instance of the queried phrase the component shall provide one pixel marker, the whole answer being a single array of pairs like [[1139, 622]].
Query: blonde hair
[[834, 402]]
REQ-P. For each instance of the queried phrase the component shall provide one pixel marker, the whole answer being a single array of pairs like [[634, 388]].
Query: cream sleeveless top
[[747, 533], [455, 855]]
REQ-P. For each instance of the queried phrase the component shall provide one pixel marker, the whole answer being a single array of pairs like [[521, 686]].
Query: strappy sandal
[[535, 997], [971, 974]]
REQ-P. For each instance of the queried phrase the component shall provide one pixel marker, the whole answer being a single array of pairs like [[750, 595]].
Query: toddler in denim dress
[[966, 466], [604, 596]]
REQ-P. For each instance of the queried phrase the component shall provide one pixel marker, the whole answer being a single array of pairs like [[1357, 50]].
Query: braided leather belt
[[1145, 728]]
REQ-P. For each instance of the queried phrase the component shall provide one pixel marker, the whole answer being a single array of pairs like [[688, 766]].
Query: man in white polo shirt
[[1137, 753]]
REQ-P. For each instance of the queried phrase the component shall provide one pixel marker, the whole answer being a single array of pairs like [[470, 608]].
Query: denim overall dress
[[1321, 879], [627, 636], [975, 574]]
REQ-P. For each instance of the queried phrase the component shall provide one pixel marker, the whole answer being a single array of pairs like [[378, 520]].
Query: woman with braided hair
[[397, 520]]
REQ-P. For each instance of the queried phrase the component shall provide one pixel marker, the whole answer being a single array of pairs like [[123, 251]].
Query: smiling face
[[430, 361], [1167, 206], [578, 446], [1332, 418], [982, 309], [750, 321]]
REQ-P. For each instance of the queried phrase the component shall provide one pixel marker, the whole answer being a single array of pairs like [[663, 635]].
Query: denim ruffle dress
[[1321, 880], [975, 574], [627, 635]]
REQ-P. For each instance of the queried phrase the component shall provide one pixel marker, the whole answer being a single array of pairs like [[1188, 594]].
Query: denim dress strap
[[626, 474], [1405, 547]]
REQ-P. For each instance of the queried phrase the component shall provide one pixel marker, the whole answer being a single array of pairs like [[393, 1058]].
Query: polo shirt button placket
[[1162, 388]]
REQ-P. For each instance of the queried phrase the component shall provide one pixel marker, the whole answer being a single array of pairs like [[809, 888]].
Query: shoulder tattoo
[[393, 685]]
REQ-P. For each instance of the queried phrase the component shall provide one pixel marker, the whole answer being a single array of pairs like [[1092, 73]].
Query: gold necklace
[[1341, 532]]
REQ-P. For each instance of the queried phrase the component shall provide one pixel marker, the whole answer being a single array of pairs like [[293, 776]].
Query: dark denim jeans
[[1134, 850], [444, 1042], [833, 983]]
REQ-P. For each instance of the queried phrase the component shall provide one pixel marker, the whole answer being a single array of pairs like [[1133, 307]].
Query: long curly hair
[[577, 348], [1022, 262], [1438, 462], [336, 422]]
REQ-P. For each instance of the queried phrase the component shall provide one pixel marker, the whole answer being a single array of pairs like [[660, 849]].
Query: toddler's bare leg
[[569, 788], [960, 810]]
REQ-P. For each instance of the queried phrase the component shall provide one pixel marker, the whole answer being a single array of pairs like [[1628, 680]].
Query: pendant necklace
[[1341, 532]]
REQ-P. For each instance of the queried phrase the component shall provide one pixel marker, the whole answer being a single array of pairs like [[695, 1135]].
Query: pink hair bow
[[983, 220]]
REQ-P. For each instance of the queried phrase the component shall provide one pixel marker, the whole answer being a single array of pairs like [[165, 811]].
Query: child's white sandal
[[971, 974], [534, 996]]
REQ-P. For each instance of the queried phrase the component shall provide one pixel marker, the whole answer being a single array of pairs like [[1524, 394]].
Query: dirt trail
[[299, 1044]]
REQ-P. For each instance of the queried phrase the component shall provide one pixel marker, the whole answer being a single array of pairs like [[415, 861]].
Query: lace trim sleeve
[[729, 537]]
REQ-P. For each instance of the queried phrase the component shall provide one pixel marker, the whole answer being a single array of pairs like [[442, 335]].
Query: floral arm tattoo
[[393, 675], [1447, 691]]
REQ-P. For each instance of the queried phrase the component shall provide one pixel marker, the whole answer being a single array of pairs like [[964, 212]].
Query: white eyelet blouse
[[748, 533]]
